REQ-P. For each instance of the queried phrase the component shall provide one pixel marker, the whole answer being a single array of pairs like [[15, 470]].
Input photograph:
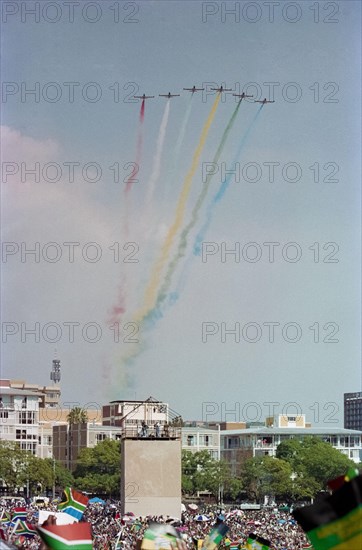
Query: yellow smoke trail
[[151, 291], [152, 288]]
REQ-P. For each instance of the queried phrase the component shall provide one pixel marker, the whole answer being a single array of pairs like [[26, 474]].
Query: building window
[[26, 417], [28, 447], [4, 414], [190, 440]]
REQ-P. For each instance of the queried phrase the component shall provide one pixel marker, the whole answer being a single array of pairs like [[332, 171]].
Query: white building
[[19, 416], [130, 414], [236, 445], [200, 438]]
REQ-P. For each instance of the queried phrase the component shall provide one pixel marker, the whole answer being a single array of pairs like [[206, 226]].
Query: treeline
[[299, 471]]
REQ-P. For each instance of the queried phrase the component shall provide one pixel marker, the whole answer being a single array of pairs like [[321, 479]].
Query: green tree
[[98, 468], [200, 472], [21, 469], [12, 465], [266, 475], [38, 472], [77, 415], [314, 463], [63, 477]]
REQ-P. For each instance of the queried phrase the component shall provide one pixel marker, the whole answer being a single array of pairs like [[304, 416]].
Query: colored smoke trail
[[131, 177], [151, 291], [156, 168], [194, 216], [119, 307], [175, 161], [223, 188]]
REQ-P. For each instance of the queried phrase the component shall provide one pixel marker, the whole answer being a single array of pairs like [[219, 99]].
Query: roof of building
[[15, 391], [199, 429], [291, 431], [138, 401]]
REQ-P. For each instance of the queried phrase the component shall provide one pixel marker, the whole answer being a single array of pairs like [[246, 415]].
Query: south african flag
[[74, 503]]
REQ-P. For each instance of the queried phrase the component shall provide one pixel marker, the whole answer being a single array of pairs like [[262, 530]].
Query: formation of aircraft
[[143, 96], [265, 100], [194, 89], [242, 96], [169, 95]]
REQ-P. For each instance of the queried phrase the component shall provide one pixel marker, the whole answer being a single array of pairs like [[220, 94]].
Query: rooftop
[[22, 393], [293, 431]]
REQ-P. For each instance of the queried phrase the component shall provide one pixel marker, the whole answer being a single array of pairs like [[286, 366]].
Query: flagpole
[[53, 478], [117, 541]]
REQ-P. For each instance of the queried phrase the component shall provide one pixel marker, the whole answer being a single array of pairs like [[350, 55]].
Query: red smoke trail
[[119, 308], [131, 177]]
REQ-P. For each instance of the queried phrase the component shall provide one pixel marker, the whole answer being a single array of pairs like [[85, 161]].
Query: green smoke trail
[[194, 216]]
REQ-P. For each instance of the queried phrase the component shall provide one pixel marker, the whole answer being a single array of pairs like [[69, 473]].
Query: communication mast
[[55, 372]]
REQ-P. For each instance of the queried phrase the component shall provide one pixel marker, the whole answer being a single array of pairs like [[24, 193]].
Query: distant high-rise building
[[353, 410]]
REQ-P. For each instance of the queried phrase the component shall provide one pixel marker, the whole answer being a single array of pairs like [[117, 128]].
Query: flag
[[351, 474], [25, 529], [18, 513], [61, 517], [336, 520], [5, 517], [159, 535], [336, 483], [215, 536], [232, 545], [74, 504], [255, 542], [117, 545], [77, 536]]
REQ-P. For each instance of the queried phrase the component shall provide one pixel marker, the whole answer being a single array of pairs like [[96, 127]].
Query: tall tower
[[55, 372]]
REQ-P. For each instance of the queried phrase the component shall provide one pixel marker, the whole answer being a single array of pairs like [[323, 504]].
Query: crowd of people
[[110, 530]]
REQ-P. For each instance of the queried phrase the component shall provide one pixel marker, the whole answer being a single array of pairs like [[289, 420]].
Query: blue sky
[[168, 48]]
